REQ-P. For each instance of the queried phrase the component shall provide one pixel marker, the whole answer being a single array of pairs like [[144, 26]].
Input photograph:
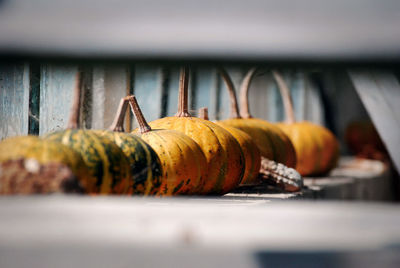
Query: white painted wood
[[380, 93], [56, 92], [14, 99]]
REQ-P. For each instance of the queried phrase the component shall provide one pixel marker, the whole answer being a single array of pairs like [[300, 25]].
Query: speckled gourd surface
[[145, 166], [104, 159]]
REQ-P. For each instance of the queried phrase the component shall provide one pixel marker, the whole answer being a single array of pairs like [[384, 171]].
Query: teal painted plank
[[206, 90], [56, 88], [173, 89], [14, 99], [148, 90]]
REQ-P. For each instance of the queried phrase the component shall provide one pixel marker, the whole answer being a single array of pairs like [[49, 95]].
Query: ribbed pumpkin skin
[[251, 154], [225, 159], [46, 152], [183, 163], [145, 165], [316, 147], [272, 142], [105, 159]]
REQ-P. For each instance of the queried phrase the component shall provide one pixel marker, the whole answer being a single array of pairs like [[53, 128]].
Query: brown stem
[[286, 97], [232, 94], [183, 110], [203, 113], [73, 121], [143, 126], [244, 93], [118, 123]]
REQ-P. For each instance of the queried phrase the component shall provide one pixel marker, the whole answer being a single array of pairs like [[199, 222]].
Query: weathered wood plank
[[110, 84], [206, 91], [148, 90], [14, 99], [380, 93], [56, 92]]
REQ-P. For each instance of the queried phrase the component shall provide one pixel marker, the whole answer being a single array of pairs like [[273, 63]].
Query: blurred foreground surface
[[72, 231]]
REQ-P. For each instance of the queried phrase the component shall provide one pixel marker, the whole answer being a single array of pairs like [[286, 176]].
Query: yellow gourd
[[184, 166], [225, 159]]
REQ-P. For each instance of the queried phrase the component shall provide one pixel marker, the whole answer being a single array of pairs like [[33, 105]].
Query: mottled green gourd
[[145, 165], [105, 160]]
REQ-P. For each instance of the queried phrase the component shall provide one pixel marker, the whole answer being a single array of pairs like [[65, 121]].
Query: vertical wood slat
[[206, 90], [148, 90], [380, 93], [14, 99], [56, 93], [110, 83]]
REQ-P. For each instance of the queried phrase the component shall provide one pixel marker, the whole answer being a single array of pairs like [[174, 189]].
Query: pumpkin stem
[[203, 113], [286, 97], [73, 121], [244, 93], [183, 110], [232, 94], [118, 123], [143, 126]]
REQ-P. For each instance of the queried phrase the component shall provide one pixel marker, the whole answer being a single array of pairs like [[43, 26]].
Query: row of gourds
[[180, 154]]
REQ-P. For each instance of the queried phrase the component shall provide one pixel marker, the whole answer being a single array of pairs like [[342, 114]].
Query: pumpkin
[[105, 160], [145, 165], [28, 176], [316, 147], [183, 163], [363, 140], [46, 152], [249, 148], [225, 159], [272, 142]]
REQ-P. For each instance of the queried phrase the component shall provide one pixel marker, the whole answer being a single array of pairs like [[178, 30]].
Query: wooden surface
[[134, 232], [380, 93], [14, 99], [209, 30]]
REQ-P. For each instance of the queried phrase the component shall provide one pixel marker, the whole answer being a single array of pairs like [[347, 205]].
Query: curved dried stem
[[183, 110], [118, 123], [73, 121], [286, 97], [232, 94], [244, 93], [143, 126], [203, 113]]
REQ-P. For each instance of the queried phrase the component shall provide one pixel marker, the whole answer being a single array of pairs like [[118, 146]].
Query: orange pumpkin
[[184, 165], [316, 147], [270, 140], [225, 159], [249, 148]]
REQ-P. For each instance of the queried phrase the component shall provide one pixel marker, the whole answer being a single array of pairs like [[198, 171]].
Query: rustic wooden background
[[35, 98]]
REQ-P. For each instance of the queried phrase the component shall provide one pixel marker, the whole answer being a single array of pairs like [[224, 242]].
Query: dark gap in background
[[165, 83], [34, 99]]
